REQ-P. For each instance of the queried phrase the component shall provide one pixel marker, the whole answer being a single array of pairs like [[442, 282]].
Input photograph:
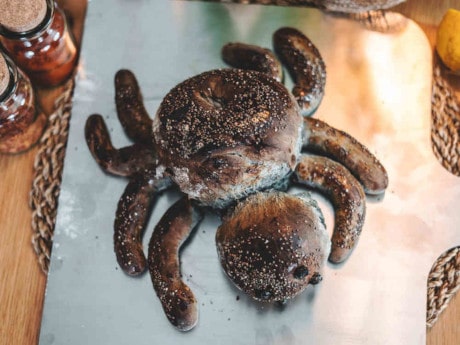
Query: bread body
[[225, 134]]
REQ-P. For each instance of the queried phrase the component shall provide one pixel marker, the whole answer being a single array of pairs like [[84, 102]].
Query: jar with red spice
[[21, 124], [36, 36]]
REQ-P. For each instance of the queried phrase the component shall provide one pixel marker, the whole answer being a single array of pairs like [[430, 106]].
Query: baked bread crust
[[225, 134], [273, 245]]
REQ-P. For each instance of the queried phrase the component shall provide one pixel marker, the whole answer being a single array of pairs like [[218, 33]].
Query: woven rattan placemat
[[445, 125], [46, 184], [444, 277]]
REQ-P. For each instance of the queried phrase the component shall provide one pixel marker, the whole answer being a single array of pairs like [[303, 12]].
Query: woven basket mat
[[443, 279]]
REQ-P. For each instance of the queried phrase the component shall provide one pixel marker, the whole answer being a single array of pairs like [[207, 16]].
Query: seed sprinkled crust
[[227, 133], [251, 57], [178, 301], [346, 194], [305, 65], [219, 109], [323, 139], [273, 244]]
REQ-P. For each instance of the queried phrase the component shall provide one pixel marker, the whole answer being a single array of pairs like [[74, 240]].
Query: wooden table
[[22, 281]]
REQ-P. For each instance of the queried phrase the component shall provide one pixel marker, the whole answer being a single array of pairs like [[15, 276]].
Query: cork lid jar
[[21, 125], [36, 36], [4, 76]]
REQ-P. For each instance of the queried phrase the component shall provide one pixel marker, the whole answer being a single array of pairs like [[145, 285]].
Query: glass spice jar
[[47, 51], [21, 124]]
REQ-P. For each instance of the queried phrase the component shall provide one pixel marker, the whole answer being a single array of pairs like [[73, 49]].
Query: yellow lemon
[[448, 40]]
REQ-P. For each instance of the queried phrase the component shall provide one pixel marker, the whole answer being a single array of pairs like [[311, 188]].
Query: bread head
[[273, 245]]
